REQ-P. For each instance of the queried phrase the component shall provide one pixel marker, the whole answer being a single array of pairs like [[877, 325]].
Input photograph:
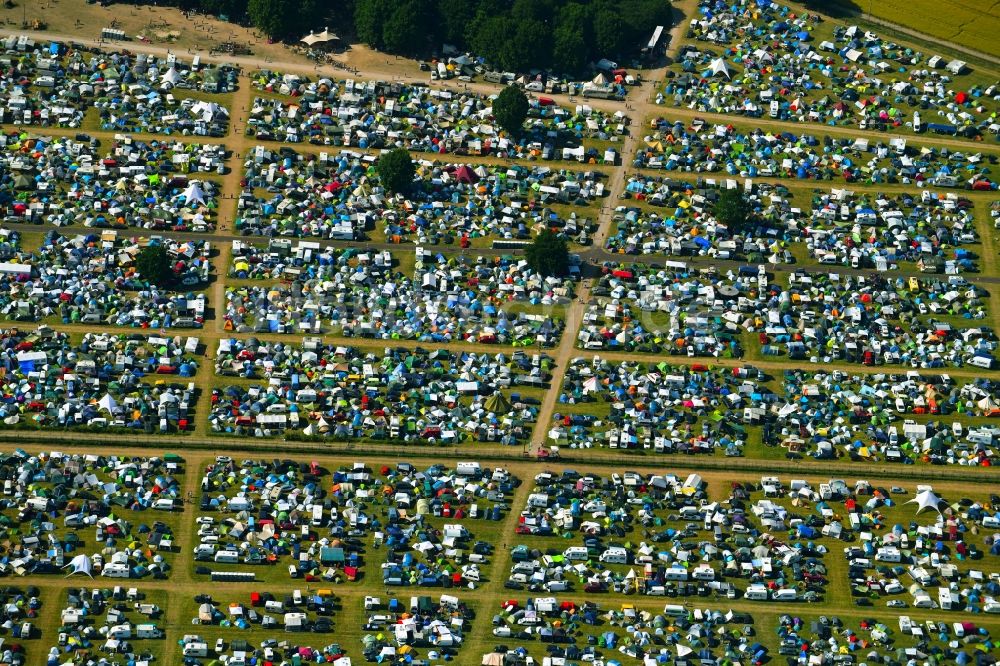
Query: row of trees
[[563, 35], [513, 35]]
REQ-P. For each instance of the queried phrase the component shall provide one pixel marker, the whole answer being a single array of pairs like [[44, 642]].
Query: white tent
[[108, 403], [718, 66], [926, 500], [170, 77], [194, 194], [80, 564], [988, 404], [208, 110]]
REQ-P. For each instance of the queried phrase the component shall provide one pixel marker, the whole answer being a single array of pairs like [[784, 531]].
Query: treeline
[[513, 35]]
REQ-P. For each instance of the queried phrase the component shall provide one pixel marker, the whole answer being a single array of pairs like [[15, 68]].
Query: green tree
[[548, 254], [733, 210], [369, 19], [404, 29], [454, 17], [510, 109], [281, 18], [153, 265], [570, 39], [609, 32], [395, 169]]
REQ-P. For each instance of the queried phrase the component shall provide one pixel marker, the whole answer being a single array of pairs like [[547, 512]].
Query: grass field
[[962, 22]]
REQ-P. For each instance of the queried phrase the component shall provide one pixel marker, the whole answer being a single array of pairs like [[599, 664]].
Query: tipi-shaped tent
[[719, 66], [989, 406], [497, 404], [926, 499], [464, 174]]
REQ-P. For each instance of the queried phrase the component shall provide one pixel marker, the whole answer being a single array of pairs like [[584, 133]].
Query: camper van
[[468, 469]]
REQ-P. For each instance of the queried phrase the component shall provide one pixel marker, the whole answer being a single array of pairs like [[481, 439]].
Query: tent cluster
[[827, 640], [872, 320], [633, 535], [688, 226], [429, 534], [360, 294], [290, 613], [102, 381], [918, 557], [644, 309], [587, 632], [103, 623], [933, 229], [92, 279], [378, 114], [340, 197], [402, 633], [404, 394], [659, 406], [823, 415], [279, 649], [54, 84], [755, 152], [134, 184], [768, 62], [20, 610], [265, 508], [59, 494]]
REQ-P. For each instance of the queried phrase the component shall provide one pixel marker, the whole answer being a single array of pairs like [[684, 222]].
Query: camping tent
[[497, 404]]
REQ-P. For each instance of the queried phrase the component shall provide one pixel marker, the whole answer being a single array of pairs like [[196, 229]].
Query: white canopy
[[719, 66], [79, 564], [171, 76], [194, 194], [926, 500], [108, 403]]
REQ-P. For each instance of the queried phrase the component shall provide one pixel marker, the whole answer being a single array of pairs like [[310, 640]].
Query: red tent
[[961, 97], [466, 175]]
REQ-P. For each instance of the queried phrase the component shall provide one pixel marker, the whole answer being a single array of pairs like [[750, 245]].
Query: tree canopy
[[733, 210], [548, 254], [281, 19], [153, 265], [395, 169], [510, 109], [562, 35]]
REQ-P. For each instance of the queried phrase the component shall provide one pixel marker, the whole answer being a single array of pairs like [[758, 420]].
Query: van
[[756, 593], [576, 554], [148, 631], [164, 504], [674, 610], [196, 649], [785, 594], [468, 469], [615, 555], [676, 573], [317, 515], [116, 570], [227, 557]]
